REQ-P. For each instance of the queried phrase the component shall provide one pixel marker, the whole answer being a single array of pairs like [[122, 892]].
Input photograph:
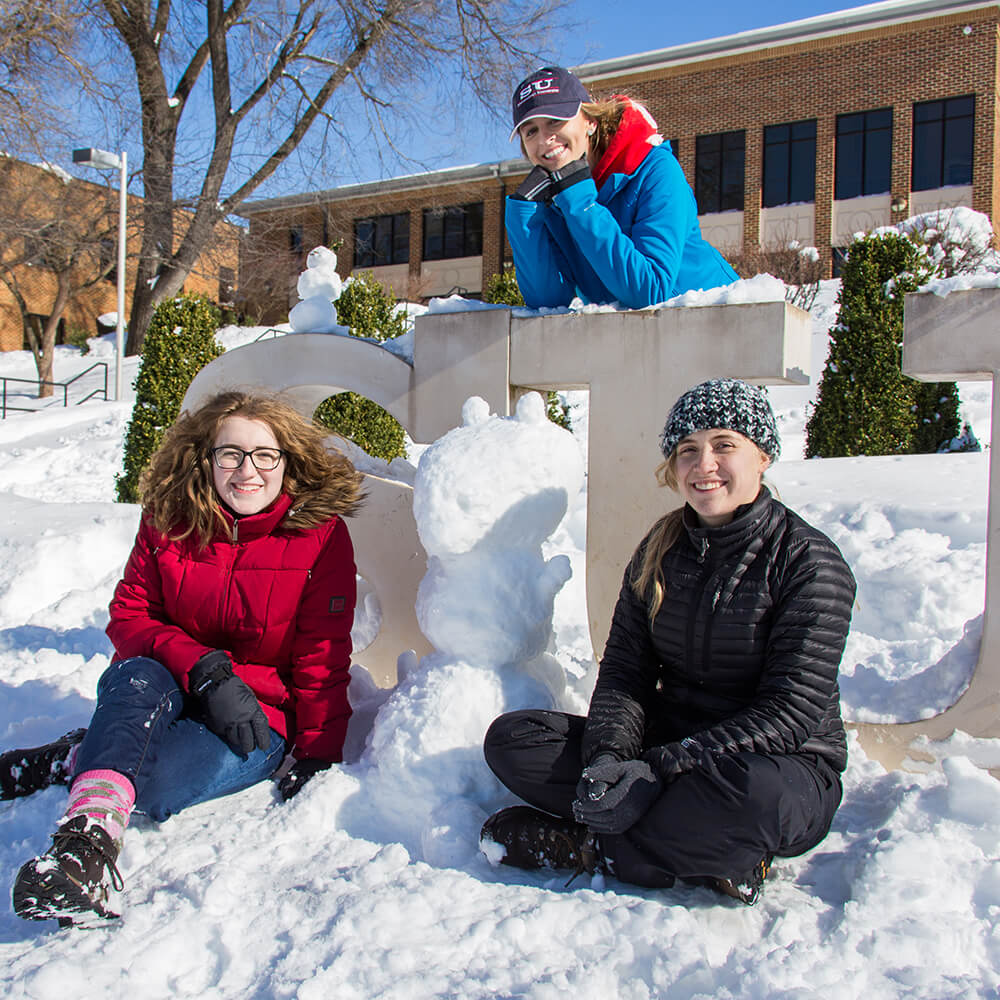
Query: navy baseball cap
[[550, 92]]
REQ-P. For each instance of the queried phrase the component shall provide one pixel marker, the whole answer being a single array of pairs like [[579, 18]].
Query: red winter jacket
[[279, 601]]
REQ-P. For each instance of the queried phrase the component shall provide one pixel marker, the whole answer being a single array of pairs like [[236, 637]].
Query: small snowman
[[486, 496], [318, 287]]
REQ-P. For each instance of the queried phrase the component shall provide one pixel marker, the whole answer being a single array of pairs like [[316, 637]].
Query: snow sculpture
[[319, 285], [486, 497]]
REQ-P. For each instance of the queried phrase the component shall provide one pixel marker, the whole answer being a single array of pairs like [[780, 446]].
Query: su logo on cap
[[547, 85]]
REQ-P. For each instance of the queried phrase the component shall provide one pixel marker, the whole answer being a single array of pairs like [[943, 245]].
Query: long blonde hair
[[177, 490], [648, 584], [606, 114]]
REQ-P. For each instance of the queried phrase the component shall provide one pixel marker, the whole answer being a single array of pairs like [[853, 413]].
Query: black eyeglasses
[[230, 457]]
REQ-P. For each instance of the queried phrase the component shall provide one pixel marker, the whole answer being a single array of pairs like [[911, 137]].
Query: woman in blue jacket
[[606, 213]]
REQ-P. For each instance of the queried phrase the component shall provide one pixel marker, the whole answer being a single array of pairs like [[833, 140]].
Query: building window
[[942, 142], [227, 279], [382, 239], [295, 238], [864, 153], [789, 163], [455, 231], [718, 171]]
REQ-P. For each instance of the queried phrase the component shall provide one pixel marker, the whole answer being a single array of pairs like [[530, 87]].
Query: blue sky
[[622, 29], [606, 30]]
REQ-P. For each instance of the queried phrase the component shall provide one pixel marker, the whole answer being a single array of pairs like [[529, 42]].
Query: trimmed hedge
[[866, 405], [179, 343]]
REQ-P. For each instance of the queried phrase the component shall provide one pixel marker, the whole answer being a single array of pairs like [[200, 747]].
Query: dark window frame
[[387, 241], [838, 257], [863, 161], [789, 163], [453, 231], [720, 171], [946, 124]]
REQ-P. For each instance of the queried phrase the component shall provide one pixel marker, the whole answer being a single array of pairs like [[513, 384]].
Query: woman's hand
[[564, 177], [535, 186], [230, 708], [613, 795], [542, 184], [298, 774]]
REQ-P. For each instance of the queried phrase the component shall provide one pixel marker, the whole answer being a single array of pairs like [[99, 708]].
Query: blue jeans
[[139, 729]]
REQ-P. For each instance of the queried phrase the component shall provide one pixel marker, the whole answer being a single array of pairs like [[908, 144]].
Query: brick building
[[49, 215], [811, 130]]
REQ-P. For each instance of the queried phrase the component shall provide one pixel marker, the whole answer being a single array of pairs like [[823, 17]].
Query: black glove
[[534, 187], [614, 795], [564, 177], [673, 759], [230, 708], [298, 774]]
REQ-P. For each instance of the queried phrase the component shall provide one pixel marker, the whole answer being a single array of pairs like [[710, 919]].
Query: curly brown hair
[[176, 489]]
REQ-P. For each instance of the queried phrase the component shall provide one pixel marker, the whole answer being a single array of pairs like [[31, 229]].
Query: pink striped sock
[[105, 798]]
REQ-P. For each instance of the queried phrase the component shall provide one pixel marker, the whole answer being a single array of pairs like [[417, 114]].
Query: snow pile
[[759, 288], [318, 286], [369, 884], [486, 497]]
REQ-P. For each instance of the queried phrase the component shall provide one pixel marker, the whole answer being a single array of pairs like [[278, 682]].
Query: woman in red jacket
[[231, 628]]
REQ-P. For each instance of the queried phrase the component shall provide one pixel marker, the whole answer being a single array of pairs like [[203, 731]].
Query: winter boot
[[73, 880], [534, 839], [746, 889], [23, 772]]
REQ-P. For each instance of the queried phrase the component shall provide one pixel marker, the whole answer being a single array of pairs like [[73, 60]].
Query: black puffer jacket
[[742, 655]]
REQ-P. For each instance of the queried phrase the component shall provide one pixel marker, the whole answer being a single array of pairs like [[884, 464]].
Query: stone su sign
[[634, 364]]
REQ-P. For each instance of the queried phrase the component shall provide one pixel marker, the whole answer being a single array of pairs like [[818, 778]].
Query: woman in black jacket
[[714, 739]]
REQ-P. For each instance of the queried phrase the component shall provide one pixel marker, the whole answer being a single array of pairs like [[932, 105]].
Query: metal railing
[[4, 406], [272, 331]]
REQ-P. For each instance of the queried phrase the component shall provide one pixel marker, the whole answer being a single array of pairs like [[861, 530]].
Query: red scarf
[[633, 139]]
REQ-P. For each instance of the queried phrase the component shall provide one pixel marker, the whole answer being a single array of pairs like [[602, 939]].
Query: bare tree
[[63, 228], [263, 73], [798, 266], [36, 48]]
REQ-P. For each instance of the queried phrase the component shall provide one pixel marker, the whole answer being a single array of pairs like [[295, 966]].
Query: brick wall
[[29, 192], [270, 269]]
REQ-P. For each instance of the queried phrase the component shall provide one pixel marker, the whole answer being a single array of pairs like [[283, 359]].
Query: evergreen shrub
[[866, 405], [179, 343], [369, 311]]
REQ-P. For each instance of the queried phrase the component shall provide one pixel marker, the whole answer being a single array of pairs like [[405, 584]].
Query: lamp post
[[100, 159]]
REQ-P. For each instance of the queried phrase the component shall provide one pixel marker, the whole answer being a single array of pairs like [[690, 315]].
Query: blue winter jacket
[[636, 241]]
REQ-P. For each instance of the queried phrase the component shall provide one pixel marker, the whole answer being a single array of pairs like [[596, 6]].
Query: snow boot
[[23, 772], [73, 880], [746, 889], [532, 839]]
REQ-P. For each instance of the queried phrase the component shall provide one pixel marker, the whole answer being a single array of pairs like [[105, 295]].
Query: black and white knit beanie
[[723, 402]]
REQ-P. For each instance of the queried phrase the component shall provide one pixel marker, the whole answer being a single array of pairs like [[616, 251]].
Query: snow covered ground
[[370, 884]]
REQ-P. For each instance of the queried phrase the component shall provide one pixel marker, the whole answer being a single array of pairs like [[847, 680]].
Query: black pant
[[717, 821]]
